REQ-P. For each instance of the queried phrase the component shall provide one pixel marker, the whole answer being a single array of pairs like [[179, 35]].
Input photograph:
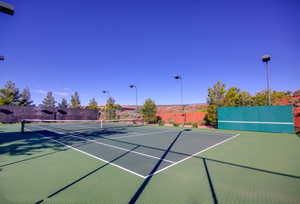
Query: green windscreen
[[257, 118]]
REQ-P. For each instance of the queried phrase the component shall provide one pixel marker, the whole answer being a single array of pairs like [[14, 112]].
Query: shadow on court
[[155, 168], [86, 175], [29, 143]]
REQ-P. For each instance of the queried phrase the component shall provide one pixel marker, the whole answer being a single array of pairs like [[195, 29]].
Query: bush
[[194, 125], [211, 116], [188, 123], [175, 124], [161, 123], [134, 122]]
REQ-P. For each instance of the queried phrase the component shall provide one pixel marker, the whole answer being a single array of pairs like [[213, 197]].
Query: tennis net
[[76, 125]]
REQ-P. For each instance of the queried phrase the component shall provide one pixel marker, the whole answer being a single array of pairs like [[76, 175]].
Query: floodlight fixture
[[7, 8]]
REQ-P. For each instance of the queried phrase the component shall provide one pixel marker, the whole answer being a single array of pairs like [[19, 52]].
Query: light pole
[[266, 59], [7, 8], [177, 76], [136, 97], [105, 106]]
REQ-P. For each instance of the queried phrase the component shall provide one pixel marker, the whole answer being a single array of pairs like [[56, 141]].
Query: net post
[[22, 126], [101, 123]]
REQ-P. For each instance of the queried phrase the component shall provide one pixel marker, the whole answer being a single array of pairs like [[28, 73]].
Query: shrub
[[175, 124], [194, 125], [161, 123], [134, 122]]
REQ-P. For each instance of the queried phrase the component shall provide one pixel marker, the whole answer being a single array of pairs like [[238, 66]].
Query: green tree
[[232, 97], [110, 109], [296, 93], [9, 95], [260, 99], [25, 98], [93, 105], [277, 95], [245, 98], [211, 116], [75, 101], [216, 94], [49, 101], [63, 104], [149, 111], [216, 97]]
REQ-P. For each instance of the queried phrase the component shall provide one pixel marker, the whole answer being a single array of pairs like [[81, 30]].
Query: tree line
[[11, 95], [219, 96]]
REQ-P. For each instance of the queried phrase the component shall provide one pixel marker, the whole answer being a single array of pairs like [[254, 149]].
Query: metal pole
[[136, 100], [136, 97], [268, 84], [266, 59], [181, 100], [181, 91], [181, 95]]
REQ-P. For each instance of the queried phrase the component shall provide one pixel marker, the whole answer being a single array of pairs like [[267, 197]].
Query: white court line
[[136, 135], [193, 155], [120, 148], [259, 122], [113, 164], [116, 147]]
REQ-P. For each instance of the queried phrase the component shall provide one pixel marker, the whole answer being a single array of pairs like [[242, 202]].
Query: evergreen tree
[[149, 111], [75, 101], [216, 98], [93, 105], [216, 94], [49, 101], [63, 104], [110, 109], [9, 95], [25, 98]]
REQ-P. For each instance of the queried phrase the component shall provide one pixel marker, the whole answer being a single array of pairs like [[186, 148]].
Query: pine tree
[[63, 104], [216, 94], [25, 98], [110, 109], [149, 111], [93, 105], [75, 101], [9, 95], [49, 101]]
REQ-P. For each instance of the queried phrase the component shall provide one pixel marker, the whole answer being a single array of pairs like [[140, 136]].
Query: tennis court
[[84, 162], [134, 149]]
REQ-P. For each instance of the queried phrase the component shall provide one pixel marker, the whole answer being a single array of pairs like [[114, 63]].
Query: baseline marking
[[194, 154]]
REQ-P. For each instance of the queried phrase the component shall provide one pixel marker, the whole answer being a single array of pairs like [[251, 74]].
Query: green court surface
[[65, 163]]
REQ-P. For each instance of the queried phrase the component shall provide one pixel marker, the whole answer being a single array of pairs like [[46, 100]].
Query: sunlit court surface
[[149, 102], [99, 163]]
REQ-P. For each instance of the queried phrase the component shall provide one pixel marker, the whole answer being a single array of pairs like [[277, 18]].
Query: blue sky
[[91, 45]]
